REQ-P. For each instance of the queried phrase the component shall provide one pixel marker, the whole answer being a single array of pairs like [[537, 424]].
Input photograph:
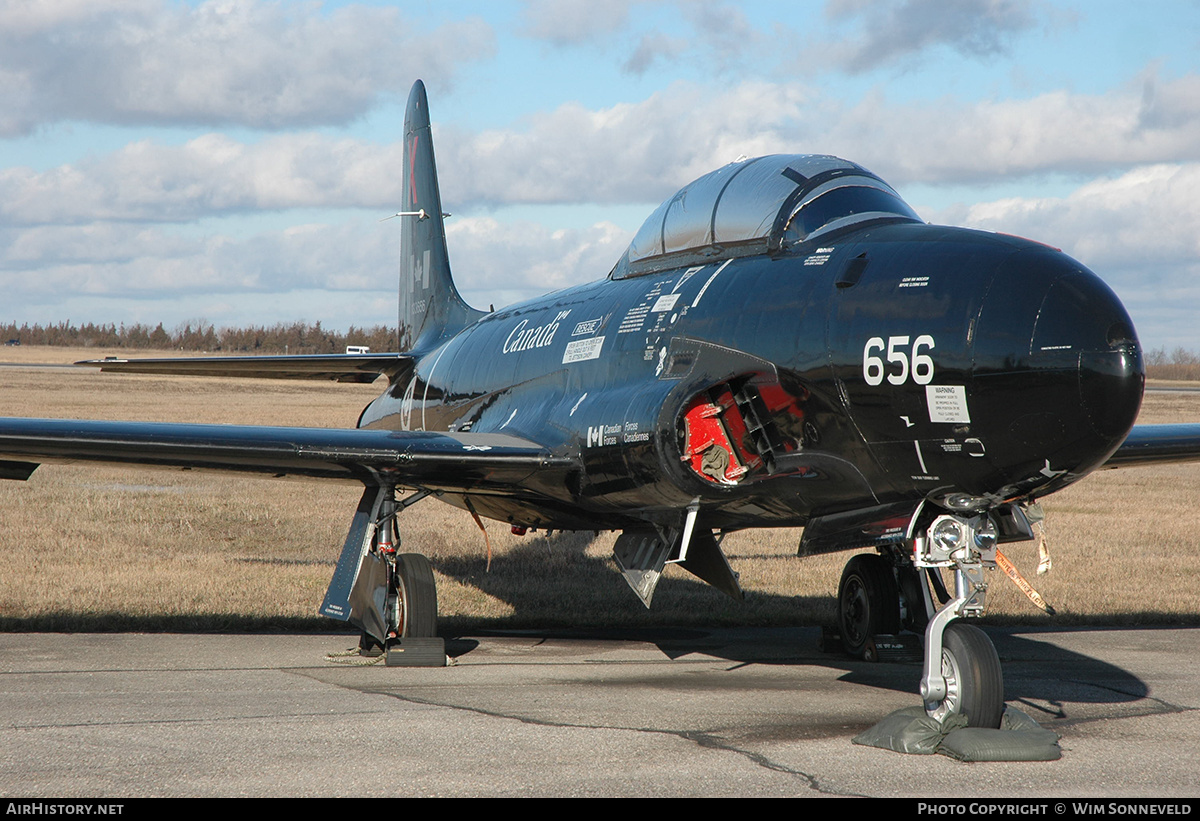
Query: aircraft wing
[[338, 367], [1156, 444], [457, 461]]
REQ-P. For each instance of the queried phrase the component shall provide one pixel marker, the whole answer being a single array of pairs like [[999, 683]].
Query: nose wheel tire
[[868, 604], [974, 681]]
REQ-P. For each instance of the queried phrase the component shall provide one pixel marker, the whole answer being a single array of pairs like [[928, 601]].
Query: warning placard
[[583, 349], [947, 403]]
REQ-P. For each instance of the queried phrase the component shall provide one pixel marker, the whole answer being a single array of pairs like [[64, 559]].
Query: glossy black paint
[[370, 457], [1041, 349]]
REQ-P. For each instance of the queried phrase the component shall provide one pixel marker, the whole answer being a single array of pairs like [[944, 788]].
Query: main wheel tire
[[911, 583], [416, 594], [868, 604], [974, 681]]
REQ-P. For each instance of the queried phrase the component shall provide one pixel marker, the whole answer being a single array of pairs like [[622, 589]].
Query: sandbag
[[910, 730]]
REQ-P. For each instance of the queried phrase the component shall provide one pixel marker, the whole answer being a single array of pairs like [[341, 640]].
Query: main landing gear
[[880, 594], [389, 596], [411, 609], [412, 597], [868, 604]]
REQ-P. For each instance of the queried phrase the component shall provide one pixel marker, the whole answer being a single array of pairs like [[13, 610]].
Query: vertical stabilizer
[[431, 309]]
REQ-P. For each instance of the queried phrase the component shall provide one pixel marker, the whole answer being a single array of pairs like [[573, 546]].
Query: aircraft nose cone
[[1081, 318], [1058, 373], [1110, 387]]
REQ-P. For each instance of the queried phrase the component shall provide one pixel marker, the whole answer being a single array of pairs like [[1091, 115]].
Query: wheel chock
[[416, 652]]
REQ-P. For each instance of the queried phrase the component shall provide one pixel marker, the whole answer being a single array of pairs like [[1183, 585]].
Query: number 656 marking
[[919, 365]]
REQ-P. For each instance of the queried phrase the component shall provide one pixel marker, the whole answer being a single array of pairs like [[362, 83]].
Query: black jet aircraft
[[784, 343]]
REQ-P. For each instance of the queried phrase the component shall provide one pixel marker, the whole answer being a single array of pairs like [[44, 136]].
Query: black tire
[[974, 681], [911, 583], [416, 594], [868, 604]]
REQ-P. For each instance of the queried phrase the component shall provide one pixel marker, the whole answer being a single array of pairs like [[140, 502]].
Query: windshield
[[758, 205], [830, 209]]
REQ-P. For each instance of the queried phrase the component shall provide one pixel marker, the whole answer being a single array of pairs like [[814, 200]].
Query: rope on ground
[[351, 658]]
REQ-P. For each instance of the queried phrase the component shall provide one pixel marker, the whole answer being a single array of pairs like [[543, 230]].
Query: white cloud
[[953, 141], [209, 175], [140, 262], [525, 259], [631, 152], [1139, 220], [652, 48], [642, 152], [570, 22], [245, 62], [628, 153], [897, 30], [122, 264]]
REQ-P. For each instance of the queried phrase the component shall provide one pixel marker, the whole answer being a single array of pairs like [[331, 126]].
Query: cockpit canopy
[[759, 205]]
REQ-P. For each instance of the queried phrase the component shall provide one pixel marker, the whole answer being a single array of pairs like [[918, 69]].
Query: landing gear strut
[[390, 596], [961, 672], [961, 669]]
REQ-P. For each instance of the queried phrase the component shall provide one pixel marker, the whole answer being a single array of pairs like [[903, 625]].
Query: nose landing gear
[[878, 593], [974, 685]]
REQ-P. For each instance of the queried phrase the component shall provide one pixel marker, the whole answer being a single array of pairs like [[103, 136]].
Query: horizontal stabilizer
[[336, 367]]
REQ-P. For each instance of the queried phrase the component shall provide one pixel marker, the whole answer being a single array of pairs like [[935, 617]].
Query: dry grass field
[[99, 548]]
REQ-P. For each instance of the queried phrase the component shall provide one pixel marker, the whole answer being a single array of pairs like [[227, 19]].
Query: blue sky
[[230, 161]]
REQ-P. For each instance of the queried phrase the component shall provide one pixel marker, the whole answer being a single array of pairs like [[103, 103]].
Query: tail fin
[[431, 309]]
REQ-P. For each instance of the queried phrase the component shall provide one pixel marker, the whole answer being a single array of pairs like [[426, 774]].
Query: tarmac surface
[[687, 712]]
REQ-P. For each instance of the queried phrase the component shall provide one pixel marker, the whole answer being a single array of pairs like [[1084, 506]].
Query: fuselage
[[889, 362]]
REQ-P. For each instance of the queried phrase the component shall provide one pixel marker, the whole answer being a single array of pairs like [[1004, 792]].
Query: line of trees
[[294, 338], [1178, 364], [301, 338]]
